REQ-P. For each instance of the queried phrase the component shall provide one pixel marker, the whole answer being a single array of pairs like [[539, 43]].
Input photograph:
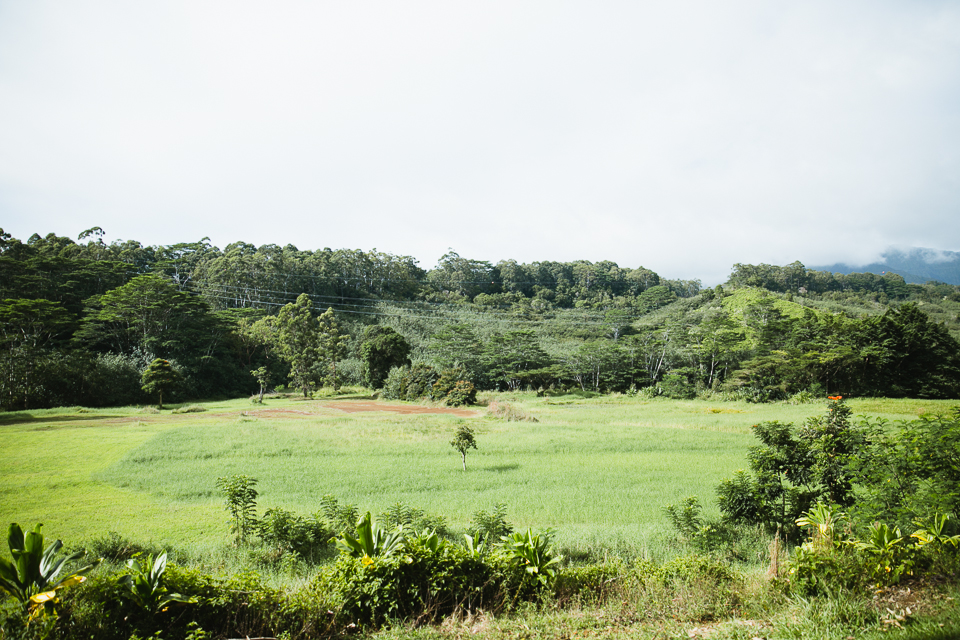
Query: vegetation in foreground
[[392, 573]]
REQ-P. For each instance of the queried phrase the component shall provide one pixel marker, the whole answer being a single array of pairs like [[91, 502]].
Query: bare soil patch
[[357, 406]]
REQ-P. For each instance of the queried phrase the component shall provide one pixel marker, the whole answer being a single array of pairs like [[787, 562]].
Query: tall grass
[[599, 470]]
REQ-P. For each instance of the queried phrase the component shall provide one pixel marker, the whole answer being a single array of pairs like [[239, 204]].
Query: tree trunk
[[464, 456]]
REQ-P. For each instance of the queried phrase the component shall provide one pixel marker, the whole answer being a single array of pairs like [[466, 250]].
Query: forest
[[80, 321]]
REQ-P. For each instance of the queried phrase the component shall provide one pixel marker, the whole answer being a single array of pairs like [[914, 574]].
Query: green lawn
[[598, 470]]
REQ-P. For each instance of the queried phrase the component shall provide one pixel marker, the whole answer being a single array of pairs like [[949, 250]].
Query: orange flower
[[834, 397]]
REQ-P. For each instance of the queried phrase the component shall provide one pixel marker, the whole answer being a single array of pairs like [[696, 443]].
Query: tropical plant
[[477, 546], [532, 552], [890, 558], [144, 584], [823, 520], [932, 531], [372, 541], [241, 501], [32, 576]]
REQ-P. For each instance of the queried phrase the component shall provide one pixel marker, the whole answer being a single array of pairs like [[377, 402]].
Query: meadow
[[597, 469]]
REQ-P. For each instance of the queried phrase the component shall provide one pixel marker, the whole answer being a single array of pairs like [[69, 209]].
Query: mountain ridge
[[915, 264]]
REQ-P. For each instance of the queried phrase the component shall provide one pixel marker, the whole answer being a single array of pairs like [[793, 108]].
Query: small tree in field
[[262, 375], [464, 441], [160, 377]]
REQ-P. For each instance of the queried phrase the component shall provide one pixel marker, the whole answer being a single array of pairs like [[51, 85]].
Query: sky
[[680, 136]]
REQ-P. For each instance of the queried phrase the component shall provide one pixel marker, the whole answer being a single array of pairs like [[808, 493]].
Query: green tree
[[463, 441], [298, 340], [381, 349], [332, 345], [511, 355], [148, 314], [160, 377], [262, 374]]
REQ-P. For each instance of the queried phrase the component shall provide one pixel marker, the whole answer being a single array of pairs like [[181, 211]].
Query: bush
[[395, 386], [678, 386], [420, 380], [422, 583], [491, 526], [286, 532], [412, 519], [193, 408], [339, 518], [454, 388], [463, 393], [509, 413], [592, 583], [116, 548]]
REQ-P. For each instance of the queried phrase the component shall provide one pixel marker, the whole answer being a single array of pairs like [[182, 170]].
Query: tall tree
[[332, 345], [298, 340], [380, 350], [150, 314]]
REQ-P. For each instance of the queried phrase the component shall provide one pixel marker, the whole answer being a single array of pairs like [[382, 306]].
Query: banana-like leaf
[[34, 568], [15, 537], [371, 540]]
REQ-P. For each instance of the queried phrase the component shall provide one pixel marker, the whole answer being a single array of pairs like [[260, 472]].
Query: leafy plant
[[144, 584], [491, 526], [285, 531], [340, 518], [476, 547], [32, 576], [160, 377], [890, 559], [687, 520], [372, 541], [823, 520], [532, 551], [241, 501], [932, 532], [400, 514]]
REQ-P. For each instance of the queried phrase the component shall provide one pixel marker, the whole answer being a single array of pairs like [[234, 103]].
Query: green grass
[[599, 470]]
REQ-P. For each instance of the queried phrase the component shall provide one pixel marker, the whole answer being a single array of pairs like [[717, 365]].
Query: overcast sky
[[680, 136]]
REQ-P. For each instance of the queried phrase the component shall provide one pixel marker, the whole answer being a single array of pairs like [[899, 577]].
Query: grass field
[[599, 470]]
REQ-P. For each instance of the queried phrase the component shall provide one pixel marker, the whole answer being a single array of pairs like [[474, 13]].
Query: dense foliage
[[81, 321]]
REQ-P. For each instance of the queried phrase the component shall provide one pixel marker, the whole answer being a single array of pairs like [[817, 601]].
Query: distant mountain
[[915, 264]]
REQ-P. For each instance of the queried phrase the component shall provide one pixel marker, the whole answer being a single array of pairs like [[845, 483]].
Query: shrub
[[463, 393], [340, 518], [420, 380], [240, 495], [454, 388], [509, 413], [491, 526], [413, 519], [593, 583], [117, 548], [286, 532], [678, 386], [422, 583], [395, 386], [193, 408]]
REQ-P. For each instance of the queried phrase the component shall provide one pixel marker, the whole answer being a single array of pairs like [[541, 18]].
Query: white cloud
[[683, 137]]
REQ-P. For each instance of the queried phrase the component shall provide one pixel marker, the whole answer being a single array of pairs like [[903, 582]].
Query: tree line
[[81, 320]]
